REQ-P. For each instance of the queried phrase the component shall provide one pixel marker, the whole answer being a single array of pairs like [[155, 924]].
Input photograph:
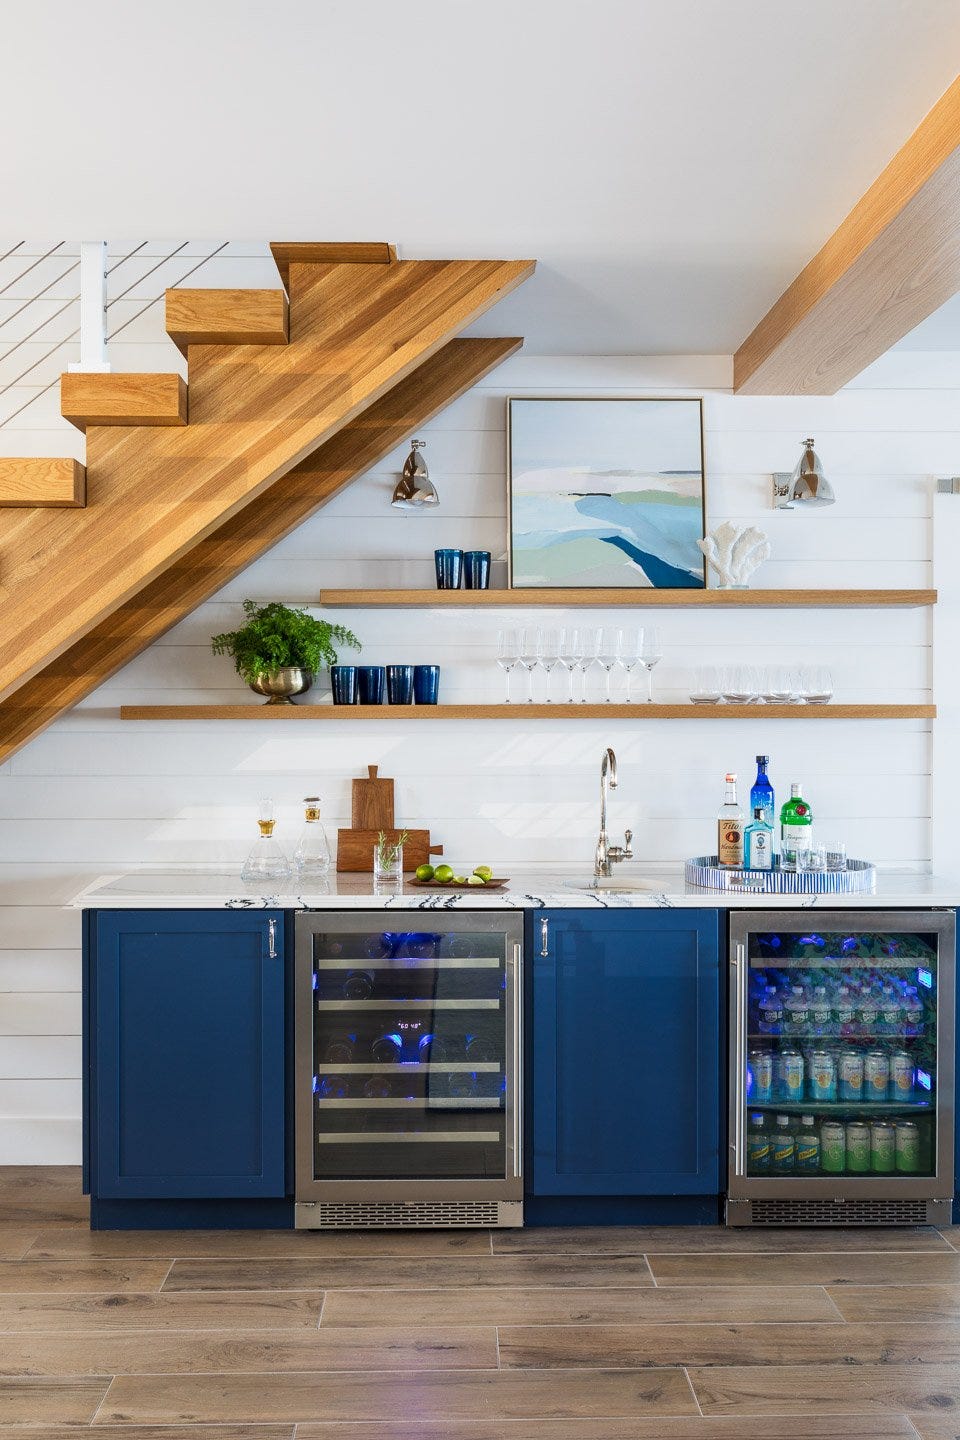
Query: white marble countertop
[[663, 887]]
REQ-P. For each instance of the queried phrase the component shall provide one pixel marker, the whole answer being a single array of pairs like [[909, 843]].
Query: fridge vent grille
[[414, 1215], [838, 1212]]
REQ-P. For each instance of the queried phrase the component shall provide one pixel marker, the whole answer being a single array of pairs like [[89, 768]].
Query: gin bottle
[[758, 842], [730, 827], [796, 828], [311, 859]]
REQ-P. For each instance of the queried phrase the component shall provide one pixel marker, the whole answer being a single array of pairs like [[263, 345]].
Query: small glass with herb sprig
[[388, 863]]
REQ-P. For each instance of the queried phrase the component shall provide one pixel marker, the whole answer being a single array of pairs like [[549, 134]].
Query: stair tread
[[323, 252], [42, 482], [123, 398], [227, 317]]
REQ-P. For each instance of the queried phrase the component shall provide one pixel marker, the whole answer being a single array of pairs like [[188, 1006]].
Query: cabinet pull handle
[[272, 939], [544, 937]]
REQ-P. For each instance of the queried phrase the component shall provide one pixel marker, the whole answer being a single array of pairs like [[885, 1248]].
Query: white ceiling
[[671, 163]]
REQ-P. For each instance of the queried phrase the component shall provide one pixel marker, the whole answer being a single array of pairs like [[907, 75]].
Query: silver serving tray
[[859, 878]]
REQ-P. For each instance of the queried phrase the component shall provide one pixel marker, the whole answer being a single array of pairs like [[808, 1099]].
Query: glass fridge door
[[843, 1051], [413, 1031]]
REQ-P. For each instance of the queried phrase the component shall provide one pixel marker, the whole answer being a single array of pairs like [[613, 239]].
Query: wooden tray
[[372, 802], [497, 882]]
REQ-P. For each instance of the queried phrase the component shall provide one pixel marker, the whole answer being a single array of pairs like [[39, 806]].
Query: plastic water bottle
[[771, 1011], [821, 1012], [797, 1011], [912, 1012]]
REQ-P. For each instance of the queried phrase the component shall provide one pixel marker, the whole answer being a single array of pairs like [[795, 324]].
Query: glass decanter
[[266, 860], [311, 859]]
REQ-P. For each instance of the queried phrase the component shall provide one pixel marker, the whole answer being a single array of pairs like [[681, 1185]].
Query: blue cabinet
[[625, 1053], [184, 1034]]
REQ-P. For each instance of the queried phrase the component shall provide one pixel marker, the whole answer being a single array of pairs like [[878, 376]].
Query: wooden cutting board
[[355, 849], [372, 802]]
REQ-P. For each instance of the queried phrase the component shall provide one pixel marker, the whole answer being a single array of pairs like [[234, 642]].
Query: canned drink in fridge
[[851, 1075], [908, 1147], [833, 1147], [858, 1148], [790, 1068], [823, 1076], [883, 1148], [761, 1069], [876, 1076], [902, 1075]]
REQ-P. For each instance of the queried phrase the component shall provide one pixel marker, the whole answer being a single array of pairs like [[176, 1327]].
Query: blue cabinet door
[[626, 1053], [186, 1017]]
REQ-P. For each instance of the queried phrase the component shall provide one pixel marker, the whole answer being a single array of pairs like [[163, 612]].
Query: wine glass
[[551, 644], [530, 655], [570, 654], [588, 655], [508, 653], [651, 653], [608, 653], [631, 642]]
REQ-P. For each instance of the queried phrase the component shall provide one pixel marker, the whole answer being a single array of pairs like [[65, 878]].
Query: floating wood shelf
[[521, 711], [669, 599]]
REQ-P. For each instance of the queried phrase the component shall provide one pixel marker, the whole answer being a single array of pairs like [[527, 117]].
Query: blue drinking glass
[[400, 684], [343, 682], [371, 684], [449, 564], [426, 684], [476, 569]]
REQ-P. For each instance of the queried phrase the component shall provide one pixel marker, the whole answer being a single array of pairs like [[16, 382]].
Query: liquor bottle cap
[[796, 789], [730, 777], [763, 759]]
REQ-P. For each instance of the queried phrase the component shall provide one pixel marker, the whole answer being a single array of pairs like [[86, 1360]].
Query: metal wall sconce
[[415, 490], [807, 486]]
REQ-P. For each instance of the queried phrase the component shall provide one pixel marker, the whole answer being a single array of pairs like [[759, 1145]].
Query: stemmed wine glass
[[588, 654], [508, 654], [651, 653], [570, 652], [608, 652], [631, 644], [530, 655], [551, 645]]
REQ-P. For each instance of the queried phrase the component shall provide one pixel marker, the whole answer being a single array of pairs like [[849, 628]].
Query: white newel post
[[93, 307]]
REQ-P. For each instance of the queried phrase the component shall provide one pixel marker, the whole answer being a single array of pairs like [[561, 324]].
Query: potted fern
[[279, 650]]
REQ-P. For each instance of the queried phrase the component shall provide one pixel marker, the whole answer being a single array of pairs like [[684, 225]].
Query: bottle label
[[761, 851], [730, 842]]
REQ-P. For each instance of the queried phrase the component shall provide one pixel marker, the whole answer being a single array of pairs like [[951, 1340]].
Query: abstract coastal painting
[[606, 493]]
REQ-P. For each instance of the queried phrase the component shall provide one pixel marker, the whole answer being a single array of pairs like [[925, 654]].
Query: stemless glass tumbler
[[343, 683], [476, 569], [449, 567], [426, 684], [371, 684], [400, 684]]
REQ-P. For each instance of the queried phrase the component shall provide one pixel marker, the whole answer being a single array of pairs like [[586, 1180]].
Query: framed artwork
[[606, 493]]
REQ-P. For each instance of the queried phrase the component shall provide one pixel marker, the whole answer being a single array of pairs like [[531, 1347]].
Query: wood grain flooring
[[631, 1333]]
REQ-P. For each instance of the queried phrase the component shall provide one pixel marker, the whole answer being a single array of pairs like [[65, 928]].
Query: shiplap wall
[[94, 796]]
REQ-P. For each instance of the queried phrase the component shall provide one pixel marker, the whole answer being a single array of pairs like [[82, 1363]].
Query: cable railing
[[74, 300]]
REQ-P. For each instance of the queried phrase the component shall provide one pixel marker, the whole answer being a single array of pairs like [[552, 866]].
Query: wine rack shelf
[[644, 597], [522, 711]]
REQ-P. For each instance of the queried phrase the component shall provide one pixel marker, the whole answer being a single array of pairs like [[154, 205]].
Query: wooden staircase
[[287, 402]]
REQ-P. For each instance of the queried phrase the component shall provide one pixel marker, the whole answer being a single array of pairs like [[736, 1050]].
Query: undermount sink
[[615, 886]]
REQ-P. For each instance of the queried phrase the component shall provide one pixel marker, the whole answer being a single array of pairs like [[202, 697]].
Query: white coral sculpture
[[735, 553]]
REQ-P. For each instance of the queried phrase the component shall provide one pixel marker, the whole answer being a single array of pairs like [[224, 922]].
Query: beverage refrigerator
[[841, 1067], [407, 1069]]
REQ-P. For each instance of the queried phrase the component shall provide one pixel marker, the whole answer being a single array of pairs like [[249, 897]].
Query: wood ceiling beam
[[256, 411], [892, 262], [219, 558]]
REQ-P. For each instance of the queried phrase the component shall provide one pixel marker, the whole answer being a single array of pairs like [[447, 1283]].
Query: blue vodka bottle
[[761, 796]]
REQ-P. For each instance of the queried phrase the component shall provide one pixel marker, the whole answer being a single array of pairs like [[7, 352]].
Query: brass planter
[[282, 685]]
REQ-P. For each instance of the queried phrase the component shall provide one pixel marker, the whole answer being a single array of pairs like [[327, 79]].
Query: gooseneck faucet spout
[[607, 855]]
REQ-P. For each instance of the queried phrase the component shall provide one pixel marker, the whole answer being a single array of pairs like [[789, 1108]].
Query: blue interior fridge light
[[924, 977], [924, 1079]]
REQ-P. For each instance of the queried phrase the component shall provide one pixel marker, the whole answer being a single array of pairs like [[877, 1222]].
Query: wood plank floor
[[622, 1334]]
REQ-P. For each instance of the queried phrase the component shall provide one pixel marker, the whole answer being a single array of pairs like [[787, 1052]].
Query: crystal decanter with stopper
[[266, 860], [311, 859]]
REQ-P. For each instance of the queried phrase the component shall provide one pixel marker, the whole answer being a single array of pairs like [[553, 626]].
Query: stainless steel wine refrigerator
[[841, 1067], [408, 1069]]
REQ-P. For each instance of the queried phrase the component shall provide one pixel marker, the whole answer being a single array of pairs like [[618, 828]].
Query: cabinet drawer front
[[187, 1015], [626, 1036]]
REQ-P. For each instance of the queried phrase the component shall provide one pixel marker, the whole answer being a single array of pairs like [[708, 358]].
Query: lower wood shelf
[[522, 711]]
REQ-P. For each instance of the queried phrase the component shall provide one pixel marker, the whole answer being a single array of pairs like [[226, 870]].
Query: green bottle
[[796, 828]]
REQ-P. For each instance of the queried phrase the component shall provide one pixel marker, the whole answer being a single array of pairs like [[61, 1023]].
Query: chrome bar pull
[[517, 1063], [272, 939], [738, 978], [544, 937]]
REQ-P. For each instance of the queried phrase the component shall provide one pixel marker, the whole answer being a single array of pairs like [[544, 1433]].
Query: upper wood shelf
[[522, 711], [668, 599]]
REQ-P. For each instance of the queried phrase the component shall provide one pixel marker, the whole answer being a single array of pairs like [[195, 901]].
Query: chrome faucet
[[608, 855]]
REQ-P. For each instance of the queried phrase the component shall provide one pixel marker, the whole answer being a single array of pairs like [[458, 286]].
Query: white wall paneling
[[93, 795]]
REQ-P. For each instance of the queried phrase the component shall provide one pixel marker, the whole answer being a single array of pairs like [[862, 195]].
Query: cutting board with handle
[[372, 802], [355, 848]]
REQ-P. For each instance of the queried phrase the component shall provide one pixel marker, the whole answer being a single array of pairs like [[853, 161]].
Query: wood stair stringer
[[221, 556], [256, 411]]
